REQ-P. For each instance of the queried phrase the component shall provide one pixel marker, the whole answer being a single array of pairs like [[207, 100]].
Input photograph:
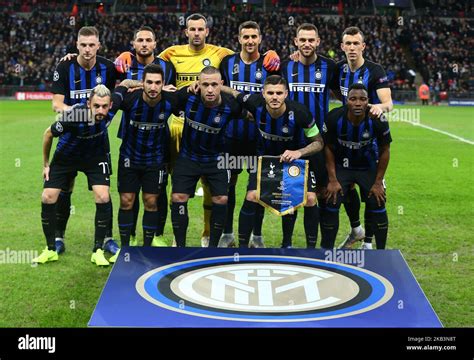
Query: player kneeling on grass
[[357, 151], [82, 146]]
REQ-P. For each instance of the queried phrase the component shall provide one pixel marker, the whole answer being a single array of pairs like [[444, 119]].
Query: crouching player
[[82, 146], [357, 151]]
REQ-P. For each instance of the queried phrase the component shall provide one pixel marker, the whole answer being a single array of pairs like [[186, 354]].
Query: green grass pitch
[[430, 207]]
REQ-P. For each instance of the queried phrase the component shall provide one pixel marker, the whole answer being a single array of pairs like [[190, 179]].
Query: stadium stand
[[437, 48]]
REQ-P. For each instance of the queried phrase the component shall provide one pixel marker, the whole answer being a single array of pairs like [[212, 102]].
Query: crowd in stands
[[31, 46]]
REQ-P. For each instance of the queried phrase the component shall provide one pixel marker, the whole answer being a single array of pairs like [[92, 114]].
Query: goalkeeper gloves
[[271, 61], [123, 62]]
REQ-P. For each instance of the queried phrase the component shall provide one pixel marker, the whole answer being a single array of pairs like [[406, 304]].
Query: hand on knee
[[251, 196], [220, 200]]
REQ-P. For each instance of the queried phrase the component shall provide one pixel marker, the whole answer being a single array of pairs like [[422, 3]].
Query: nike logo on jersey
[[180, 62], [294, 74]]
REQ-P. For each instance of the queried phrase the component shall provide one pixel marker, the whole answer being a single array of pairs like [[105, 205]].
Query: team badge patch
[[56, 76], [258, 75], [318, 75], [98, 80], [206, 62], [59, 127]]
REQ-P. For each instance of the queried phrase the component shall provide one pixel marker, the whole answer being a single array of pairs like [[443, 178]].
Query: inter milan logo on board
[[206, 62], [266, 288]]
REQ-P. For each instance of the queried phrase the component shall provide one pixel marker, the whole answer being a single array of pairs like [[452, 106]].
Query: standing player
[[73, 80], [357, 69], [310, 80], [357, 151], [244, 72], [142, 162], [82, 146], [144, 44], [206, 115], [280, 123]]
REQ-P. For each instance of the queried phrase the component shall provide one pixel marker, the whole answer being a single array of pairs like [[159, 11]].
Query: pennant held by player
[[281, 187]]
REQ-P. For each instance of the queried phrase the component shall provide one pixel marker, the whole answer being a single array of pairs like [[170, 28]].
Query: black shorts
[[241, 153], [317, 165], [186, 174], [310, 181], [150, 179], [63, 171], [364, 178]]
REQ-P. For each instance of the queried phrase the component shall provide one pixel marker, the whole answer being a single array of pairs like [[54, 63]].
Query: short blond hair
[[100, 91]]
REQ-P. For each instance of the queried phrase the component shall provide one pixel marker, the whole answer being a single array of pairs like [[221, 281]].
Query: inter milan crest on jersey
[[281, 187], [258, 75], [98, 80], [318, 75], [217, 119]]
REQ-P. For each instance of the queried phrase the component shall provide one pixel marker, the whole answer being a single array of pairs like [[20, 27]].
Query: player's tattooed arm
[[378, 189], [316, 144], [47, 143], [333, 187], [129, 83], [230, 91]]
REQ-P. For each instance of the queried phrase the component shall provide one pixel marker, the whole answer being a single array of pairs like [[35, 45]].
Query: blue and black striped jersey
[[75, 83], [136, 73], [145, 133], [371, 74], [355, 147], [283, 133], [80, 137], [248, 79], [311, 84], [203, 126]]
